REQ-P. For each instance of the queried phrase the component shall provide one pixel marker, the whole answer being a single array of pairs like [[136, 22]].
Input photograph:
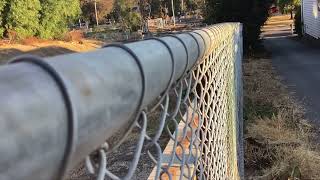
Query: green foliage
[[133, 21], [177, 6], [129, 19], [156, 8], [288, 5], [23, 18], [2, 7], [297, 21], [104, 7], [252, 13], [193, 5], [254, 109], [56, 15], [47, 19]]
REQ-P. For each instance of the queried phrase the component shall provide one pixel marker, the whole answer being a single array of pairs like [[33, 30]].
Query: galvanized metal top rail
[[55, 112]]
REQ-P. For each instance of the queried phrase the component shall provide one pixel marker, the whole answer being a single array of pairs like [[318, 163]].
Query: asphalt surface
[[298, 64]]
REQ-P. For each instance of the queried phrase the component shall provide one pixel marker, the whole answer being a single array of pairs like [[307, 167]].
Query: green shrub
[[297, 21], [2, 7], [23, 18], [133, 21], [252, 13], [288, 6], [128, 19], [55, 17], [48, 19]]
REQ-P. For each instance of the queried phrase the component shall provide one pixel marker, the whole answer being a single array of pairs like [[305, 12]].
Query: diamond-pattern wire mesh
[[193, 131]]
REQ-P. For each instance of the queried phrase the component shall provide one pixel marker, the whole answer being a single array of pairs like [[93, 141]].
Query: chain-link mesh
[[193, 130]]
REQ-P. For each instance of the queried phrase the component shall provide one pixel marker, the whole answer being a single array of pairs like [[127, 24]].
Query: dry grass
[[74, 36], [277, 138]]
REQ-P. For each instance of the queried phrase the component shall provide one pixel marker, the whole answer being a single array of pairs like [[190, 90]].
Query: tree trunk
[[173, 16], [182, 6], [96, 12]]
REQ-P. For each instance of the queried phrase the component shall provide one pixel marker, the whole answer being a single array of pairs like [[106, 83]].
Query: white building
[[311, 17]]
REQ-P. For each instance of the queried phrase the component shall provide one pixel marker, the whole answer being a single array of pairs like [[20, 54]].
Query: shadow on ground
[[7, 54]]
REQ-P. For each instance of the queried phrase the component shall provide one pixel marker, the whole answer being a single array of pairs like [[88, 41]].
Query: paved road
[[298, 63]]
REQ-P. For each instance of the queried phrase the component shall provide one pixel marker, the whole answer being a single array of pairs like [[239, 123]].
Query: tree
[[156, 8], [47, 19], [104, 7], [129, 19], [23, 17], [252, 13], [2, 17], [173, 14], [193, 5], [96, 12], [288, 6], [298, 24], [168, 4], [56, 16]]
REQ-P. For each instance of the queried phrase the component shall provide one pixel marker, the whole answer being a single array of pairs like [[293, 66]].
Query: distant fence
[[179, 97]]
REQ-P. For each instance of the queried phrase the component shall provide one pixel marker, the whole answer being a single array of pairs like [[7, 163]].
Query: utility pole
[[96, 12], [173, 16]]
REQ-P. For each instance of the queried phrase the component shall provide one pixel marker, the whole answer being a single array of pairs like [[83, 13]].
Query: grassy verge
[[277, 137]]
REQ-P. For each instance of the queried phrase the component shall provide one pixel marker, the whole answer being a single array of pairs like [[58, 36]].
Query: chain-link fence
[[170, 108]]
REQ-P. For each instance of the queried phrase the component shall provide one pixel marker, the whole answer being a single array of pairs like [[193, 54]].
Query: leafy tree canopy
[[252, 13], [288, 6], [56, 15], [2, 7], [23, 18], [104, 7], [44, 18], [124, 13], [288, 3]]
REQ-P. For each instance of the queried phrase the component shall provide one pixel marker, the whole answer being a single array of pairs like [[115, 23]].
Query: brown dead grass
[[277, 138], [74, 36]]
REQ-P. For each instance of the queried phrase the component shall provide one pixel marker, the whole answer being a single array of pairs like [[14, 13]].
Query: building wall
[[311, 17]]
